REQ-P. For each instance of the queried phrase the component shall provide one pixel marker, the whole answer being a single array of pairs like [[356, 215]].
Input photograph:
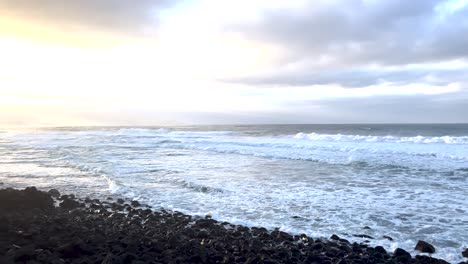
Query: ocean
[[407, 182]]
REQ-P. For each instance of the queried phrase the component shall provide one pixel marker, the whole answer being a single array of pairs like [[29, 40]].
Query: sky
[[173, 62]]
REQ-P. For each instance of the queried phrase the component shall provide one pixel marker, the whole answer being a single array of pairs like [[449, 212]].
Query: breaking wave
[[360, 138]]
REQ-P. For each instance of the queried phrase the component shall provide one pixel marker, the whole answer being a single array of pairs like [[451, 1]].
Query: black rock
[[296, 217], [423, 259], [332, 252], [380, 249], [203, 234], [334, 237], [73, 249], [401, 252], [284, 236], [69, 204], [318, 246], [314, 258], [54, 193], [25, 254], [67, 196], [465, 253], [403, 259], [94, 206], [270, 261], [363, 236], [342, 240], [424, 247], [120, 201], [135, 203], [28, 199], [387, 237]]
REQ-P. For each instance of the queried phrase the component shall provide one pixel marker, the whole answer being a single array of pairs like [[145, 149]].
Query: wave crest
[[394, 139]]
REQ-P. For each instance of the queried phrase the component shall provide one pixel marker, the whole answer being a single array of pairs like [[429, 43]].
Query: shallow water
[[408, 182]]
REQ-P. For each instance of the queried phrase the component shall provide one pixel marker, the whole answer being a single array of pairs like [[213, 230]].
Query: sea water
[[408, 182]]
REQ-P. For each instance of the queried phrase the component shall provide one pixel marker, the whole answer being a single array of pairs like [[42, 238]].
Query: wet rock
[[366, 227], [54, 193], [25, 254], [423, 259], [334, 237], [318, 246], [94, 206], [332, 252], [135, 203], [387, 237], [314, 258], [284, 236], [424, 247], [73, 249], [69, 204], [29, 199], [203, 234], [380, 249], [402, 256], [363, 236], [465, 253], [120, 201], [342, 240]]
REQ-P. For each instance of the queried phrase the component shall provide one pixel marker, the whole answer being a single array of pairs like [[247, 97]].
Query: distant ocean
[[408, 182]]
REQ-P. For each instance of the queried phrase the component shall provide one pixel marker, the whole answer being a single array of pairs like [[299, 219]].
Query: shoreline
[[116, 231]]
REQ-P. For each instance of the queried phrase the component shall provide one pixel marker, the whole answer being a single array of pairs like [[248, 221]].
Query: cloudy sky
[[152, 62]]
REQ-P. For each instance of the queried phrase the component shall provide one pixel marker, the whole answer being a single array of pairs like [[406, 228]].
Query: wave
[[198, 187], [360, 138], [172, 131], [319, 151]]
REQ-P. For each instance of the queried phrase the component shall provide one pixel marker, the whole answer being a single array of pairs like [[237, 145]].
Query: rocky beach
[[47, 227]]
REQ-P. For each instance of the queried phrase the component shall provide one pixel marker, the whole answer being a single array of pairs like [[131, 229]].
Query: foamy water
[[406, 183]]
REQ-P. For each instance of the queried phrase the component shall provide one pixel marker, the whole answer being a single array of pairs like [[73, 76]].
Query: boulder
[[389, 238], [402, 256], [424, 247], [401, 252], [363, 236], [380, 249], [69, 204], [54, 193]]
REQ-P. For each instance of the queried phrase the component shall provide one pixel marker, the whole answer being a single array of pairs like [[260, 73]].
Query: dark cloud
[[343, 37], [120, 16]]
